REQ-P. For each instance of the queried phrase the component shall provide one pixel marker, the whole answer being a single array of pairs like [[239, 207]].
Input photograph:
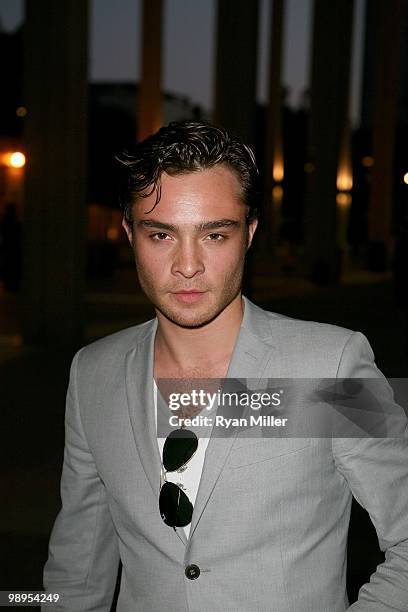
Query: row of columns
[[56, 96], [329, 122]]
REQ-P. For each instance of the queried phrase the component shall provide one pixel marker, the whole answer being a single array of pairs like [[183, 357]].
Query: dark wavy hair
[[180, 148]]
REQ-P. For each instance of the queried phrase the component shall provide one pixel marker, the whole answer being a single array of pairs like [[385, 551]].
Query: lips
[[188, 295]]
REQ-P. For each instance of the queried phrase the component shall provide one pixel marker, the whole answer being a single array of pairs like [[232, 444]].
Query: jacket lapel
[[139, 390], [249, 359]]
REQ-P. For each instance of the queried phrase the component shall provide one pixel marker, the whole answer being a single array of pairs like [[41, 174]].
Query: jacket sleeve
[[83, 559], [376, 470]]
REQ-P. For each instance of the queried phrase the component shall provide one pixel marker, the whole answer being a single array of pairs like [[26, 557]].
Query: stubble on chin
[[187, 316], [197, 316]]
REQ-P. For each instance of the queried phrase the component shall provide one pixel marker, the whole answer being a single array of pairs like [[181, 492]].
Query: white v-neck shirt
[[189, 479]]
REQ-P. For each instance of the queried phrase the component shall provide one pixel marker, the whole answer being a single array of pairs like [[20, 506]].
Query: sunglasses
[[179, 447]]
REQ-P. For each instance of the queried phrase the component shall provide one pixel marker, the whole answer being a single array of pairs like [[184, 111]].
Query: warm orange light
[[16, 160], [278, 172], [343, 199], [277, 192], [112, 233], [344, 180], [367, 161], [406, 178], [21, 111]]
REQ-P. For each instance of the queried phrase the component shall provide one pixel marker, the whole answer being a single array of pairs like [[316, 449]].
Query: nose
[[188, 260]]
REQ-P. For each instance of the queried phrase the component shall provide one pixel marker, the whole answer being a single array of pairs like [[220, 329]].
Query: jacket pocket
[[266, 449]]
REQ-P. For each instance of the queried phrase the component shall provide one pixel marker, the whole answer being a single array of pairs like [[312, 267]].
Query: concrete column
[[274, 166], [55, 83], [387, 28], [236, 67], [150, 98], [332, 35]]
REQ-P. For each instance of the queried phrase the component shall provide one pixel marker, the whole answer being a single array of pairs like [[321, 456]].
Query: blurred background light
[[16, 160]]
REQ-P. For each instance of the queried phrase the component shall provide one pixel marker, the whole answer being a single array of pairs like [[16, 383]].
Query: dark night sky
[[189, 45]]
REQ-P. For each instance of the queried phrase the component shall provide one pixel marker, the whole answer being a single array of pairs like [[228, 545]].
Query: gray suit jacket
[[270, 522]]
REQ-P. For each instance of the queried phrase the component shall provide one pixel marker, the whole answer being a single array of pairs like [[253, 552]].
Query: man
[[268, 528]]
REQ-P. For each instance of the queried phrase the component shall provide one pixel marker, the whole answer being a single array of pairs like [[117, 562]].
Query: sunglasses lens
[[179, 447], [175, 508]]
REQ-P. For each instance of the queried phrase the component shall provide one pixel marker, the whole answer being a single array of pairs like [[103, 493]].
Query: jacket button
[[192, 571]]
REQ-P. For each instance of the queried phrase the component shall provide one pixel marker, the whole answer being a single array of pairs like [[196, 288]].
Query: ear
[[252, 225], [128, 230]]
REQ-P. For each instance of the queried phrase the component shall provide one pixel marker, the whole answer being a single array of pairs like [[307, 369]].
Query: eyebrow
[[208, 225]]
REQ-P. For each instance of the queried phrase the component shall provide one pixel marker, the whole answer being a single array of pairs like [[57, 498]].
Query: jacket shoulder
[[273, 323], [306, 348], [110, 348]]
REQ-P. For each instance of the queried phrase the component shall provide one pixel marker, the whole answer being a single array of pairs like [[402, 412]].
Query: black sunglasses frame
[[175, 508]]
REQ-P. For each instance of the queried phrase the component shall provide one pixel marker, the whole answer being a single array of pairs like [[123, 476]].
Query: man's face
[[190, 249]]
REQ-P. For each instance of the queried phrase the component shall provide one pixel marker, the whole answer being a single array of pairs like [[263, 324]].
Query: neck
[[211, 344]]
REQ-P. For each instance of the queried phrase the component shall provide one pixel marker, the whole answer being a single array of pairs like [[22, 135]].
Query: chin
[[190, 320], [192, 317], [189, 316]]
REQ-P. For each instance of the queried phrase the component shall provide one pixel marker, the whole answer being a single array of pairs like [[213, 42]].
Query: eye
[[160, 236], [214, 237]]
